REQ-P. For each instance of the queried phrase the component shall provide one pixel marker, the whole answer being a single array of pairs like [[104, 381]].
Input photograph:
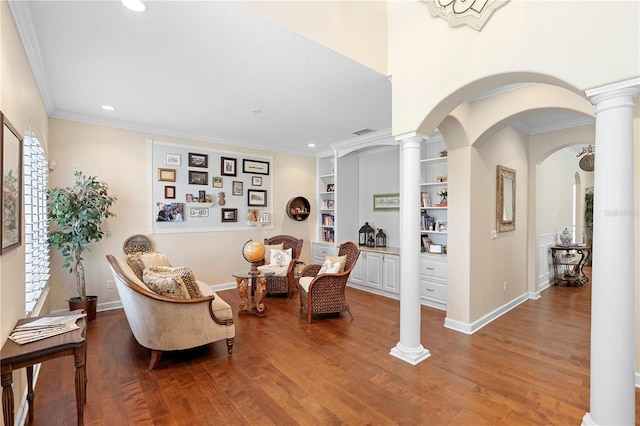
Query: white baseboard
[[478, 324]]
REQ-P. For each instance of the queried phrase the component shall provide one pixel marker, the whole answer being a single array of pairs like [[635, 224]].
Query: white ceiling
[[196, 69]]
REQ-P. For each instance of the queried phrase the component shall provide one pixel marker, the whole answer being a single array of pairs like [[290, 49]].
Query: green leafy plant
[[77, 214], [588, 212]]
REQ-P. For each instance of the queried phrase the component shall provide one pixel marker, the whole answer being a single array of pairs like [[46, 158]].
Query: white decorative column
[[612, 301], [409, 348]]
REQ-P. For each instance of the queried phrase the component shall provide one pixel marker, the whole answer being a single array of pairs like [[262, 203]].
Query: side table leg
[[260, 292], [30, 394], [243, 289], [7, 398], [81, 381]]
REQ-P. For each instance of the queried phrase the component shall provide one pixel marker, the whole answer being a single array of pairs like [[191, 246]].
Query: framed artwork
[[386, 202], [216, 181], [198, 178], [237, 188], [255, 167], [167, 175], [169, 212], [505, 198], [169, 192], [257, 197], [198, 160], [256, 181], [228, 166], [190, 199], [11, 200], [174, 160], [229, 215]]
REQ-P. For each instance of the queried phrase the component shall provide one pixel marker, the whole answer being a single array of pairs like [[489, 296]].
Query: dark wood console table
[[568, 261], [15, 356]]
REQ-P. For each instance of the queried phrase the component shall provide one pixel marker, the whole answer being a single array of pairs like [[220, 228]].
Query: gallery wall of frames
[[197, 189]]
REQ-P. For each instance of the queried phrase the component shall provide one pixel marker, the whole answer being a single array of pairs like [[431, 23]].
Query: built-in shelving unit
[[326, 199]]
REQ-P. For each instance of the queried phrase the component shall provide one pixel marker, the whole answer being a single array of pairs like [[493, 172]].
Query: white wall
[[379, 174]]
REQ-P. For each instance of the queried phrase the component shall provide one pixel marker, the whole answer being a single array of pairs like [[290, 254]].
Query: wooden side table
[[14, 356], [258, 284]]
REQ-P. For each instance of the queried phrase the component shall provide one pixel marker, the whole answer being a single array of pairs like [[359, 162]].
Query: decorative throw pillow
[[340, 259], [141, 261], [280, 257], [164, 284], [133, 260], [329, 267], [267, 251], [185, 274]]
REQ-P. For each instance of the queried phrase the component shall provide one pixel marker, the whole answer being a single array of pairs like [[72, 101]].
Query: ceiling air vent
[[363, 132]]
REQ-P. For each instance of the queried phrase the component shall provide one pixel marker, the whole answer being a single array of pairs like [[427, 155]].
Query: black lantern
[[365, 234], [381, 239]]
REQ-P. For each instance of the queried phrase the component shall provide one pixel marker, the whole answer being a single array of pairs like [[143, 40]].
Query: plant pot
[[90, 305]]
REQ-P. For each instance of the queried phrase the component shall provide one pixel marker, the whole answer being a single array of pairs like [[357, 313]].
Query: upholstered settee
[[167, 323]]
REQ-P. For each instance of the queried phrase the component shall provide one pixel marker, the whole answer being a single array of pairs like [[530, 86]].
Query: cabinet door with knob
[[377, 273]]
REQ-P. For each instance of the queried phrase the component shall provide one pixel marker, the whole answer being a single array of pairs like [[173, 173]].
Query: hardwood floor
[[530, 366]]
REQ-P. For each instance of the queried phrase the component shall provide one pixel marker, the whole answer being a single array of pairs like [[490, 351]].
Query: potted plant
[[77, 214]]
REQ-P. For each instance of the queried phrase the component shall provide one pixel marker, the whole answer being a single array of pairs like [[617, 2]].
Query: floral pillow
[[182, 272], [280, 257], [164, 284], [329, 267]]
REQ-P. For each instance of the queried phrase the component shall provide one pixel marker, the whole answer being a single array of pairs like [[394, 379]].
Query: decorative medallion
[[474, 13]]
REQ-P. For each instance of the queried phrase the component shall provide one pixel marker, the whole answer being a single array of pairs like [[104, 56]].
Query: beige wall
[[21, 103], [120, 158]]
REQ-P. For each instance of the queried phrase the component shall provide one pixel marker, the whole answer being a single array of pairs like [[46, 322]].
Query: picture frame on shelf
[[198, 160], [228, 166], [166, 175], [189, 198], [216, 181], [257, 197], [12, 182], [237, 188], [441, 225], [256, 180], [255, 167], [425, 201], [229, 215], [198, 178], [202, 195], [331, 187], [169, 192], [435, 248], [174, 160], [386, 202]]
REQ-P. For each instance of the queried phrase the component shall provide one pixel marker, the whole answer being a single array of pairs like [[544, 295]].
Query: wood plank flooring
[[529, 367]]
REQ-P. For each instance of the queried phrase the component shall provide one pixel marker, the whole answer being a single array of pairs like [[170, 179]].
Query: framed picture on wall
[[167, 175], [256, 181], [173, 160], [255, 167], [198, 178], [169, 192], [198, 160], [229, 215], [11, 200], [216, 181], [257, 197], [228, 166], [237, 188]]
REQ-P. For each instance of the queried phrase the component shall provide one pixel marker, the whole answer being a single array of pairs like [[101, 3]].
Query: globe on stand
[[253, 252]]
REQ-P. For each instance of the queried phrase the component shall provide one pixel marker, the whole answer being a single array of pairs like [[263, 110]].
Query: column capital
[[621, 89], [411, 138]]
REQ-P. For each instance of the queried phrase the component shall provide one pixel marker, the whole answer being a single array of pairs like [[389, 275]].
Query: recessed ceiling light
[[312, 145], [135, 5], [255, 110], [108, 108]]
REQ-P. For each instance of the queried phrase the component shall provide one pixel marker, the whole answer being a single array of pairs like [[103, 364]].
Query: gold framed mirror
[[505, 199]]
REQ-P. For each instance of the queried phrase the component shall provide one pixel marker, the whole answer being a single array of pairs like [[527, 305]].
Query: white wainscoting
[[545, 263]]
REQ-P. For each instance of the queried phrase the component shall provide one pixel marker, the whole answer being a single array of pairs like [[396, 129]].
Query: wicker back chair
[[284, 284], [325, 293]]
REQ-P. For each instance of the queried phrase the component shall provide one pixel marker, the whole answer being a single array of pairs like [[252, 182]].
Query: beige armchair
[[322, 293], [283, 281], [162, 323]]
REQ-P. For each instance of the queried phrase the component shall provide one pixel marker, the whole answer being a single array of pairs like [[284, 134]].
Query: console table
[[568, 261], [15, 356]]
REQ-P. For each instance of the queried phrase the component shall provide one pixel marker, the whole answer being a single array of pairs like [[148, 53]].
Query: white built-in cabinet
[[377, 272]]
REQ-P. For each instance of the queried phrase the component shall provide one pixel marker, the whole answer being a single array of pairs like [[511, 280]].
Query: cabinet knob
[[430, 289], [431, 269]]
